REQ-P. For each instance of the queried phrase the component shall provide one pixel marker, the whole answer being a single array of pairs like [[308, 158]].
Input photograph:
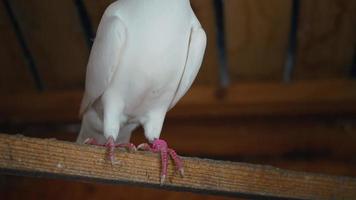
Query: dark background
[[286, 69]]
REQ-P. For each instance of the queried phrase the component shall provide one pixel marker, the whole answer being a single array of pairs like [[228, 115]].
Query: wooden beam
[[309, 144], [244, 99], [44, 157]]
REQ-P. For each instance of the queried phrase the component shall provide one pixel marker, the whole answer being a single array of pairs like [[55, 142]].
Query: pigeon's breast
[[152, 64]]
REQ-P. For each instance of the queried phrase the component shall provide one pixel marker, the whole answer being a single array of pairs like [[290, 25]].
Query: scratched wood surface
[[326, 39], [21, 155], [257, 38], [56, 40], [319, 145], [15, 75]]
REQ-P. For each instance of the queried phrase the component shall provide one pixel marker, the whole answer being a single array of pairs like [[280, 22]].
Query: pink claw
[[178, 162], [91, 141], [110, 145], [160, 146]]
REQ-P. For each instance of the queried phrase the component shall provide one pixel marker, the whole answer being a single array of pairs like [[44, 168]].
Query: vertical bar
[[25, 50], [353, 67], [293, 42], [224, 79], [85, 22]]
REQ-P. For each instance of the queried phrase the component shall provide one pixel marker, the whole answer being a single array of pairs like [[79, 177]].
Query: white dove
[[145, 57]]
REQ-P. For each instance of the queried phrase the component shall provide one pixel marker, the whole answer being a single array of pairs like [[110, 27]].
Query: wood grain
[[257, 38], [305, 98], [313, 144], [302, 144], [15, 75], [23, 155], [309, 138], [326, 39], [56, 40]]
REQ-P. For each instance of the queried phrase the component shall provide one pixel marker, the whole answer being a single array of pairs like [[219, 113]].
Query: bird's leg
[[177, 161], [110, 145], [160, 146]]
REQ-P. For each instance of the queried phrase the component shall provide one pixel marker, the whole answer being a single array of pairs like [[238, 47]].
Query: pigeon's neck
[[165, 1], [150, 8], [160, 3]]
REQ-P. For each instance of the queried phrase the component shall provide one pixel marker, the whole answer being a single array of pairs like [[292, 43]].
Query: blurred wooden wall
[[257, 40], [45, 47]]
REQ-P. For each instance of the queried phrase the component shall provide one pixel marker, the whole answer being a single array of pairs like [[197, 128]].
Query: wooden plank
[[257, 38], [302, 144], [15, 187], [34, 188], [253, 99], [326, 39], [55, 37], [204, 11], [28, 156], [14, 76]]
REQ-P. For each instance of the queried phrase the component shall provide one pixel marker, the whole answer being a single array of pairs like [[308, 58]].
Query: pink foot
[[110, 145], [160, 146]]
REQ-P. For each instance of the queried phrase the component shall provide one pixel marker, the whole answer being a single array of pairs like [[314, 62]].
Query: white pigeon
[[145, 57]]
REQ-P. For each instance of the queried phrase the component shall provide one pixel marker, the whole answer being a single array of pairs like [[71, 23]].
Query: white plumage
[[145, 57]]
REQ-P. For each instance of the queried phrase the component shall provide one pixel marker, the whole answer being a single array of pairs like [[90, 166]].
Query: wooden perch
[[51, 158]]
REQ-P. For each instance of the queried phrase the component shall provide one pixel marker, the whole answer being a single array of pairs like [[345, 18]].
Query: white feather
[[144, 59]]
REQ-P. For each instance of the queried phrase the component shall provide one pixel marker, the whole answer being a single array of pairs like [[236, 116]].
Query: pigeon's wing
[[104, 59], [194, 60]]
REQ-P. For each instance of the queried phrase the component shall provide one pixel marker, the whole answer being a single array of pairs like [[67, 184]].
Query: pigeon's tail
[[92, 128], [84, 104], [86, 132], [125, 133]]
